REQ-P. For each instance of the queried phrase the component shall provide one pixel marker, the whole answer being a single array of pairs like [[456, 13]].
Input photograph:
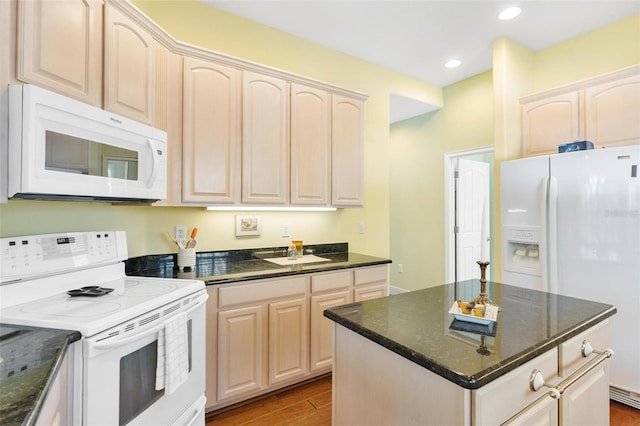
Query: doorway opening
[[469, 198]]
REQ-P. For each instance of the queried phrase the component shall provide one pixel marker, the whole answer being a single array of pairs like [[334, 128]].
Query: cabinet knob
[[536, 382], [586, 349]]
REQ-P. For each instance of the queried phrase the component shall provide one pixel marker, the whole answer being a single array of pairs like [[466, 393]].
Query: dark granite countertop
[[223, 267], [30, 357], [417, 326]]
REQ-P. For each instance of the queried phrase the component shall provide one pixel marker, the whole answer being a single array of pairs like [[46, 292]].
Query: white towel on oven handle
[[173, 354]]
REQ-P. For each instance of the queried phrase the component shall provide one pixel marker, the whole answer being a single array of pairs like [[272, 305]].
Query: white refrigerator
[[571, 225]]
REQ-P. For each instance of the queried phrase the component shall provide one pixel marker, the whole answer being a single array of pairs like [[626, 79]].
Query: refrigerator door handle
[[543, 201], [552, 235]]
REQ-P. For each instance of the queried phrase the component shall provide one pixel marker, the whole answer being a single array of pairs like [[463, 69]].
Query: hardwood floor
[[623, 415], [310, 405]]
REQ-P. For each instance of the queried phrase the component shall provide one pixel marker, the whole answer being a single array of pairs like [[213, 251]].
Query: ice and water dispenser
[[522, 257]]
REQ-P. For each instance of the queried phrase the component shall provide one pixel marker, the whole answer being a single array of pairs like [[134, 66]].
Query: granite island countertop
[[30, 357], [418, 326], [228, 266]]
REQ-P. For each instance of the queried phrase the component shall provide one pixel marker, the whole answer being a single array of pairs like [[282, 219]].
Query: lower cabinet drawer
[[503, 398], [370, 275], [571, 357], [331, 281], [239, 294]]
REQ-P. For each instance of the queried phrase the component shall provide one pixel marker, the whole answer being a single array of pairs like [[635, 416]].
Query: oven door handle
[[117, 342]]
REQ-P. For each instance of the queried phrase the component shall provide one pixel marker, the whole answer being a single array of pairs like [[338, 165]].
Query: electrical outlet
[[180, 233], [285, 230]]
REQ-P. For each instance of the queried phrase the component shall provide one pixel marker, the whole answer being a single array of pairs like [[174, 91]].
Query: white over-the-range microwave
[[63, 149]]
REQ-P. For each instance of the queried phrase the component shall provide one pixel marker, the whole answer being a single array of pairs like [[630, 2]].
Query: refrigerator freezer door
[[598, 243], [523, 193]]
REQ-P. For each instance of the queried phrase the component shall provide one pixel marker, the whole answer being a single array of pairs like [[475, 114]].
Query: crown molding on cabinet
[[183, 48], [582, 84]]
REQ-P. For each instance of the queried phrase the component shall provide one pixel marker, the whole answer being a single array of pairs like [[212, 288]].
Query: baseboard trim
[[396, 290], [625, 397]]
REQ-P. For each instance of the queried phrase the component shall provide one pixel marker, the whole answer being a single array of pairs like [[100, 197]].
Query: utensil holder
[[186, 258]]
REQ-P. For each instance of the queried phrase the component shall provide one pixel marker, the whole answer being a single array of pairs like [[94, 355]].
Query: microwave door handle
[[154, 166], [116, 342]]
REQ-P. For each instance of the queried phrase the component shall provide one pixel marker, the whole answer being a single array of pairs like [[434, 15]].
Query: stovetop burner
[[91, 291]]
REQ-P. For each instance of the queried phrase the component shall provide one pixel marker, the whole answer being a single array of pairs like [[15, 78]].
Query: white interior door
[[472, 218]]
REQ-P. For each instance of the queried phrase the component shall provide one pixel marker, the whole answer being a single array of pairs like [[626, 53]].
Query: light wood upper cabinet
[[265, 139], [168, 117], [212, 132], [347, 162], [310, 146], [60, 47], [612, 112], [237, 133], [550, 122], [603, 110], [130, 67]]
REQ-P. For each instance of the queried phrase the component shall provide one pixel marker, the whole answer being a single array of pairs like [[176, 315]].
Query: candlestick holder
[[483, 299], [483, 349]]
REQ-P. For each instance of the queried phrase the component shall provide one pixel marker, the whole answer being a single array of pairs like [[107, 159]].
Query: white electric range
[[141, 358]]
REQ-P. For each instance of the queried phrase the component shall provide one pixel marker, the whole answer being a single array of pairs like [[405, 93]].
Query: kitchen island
[[403, 359]]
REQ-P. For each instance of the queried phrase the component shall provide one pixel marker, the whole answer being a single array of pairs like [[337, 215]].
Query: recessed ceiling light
[[509, 13], [452, 63]]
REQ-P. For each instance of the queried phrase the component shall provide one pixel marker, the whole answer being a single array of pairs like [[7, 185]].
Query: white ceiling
[[417, 37]]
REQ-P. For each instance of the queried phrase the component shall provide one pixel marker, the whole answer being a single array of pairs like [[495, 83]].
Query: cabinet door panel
[[347, 144], [543, 412], [322, 328], [211, 147], [60, 47], [168, 117], [612, 110], [265, 140], [240, 351], [288, 341], [550, 122], [586, 402], [129, 67], [310, 145]]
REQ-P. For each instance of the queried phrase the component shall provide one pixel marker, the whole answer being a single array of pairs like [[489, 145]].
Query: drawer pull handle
[[536, 381], [586, 349]]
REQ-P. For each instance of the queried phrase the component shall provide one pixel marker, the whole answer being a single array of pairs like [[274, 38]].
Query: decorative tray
[[490, 314], [471, 327]]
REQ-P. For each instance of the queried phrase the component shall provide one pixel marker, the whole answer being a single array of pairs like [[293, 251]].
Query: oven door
[[119, 384]]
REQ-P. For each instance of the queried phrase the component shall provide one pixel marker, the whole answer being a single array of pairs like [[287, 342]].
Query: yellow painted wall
[[418, 146], [606, 49], [197, 24]]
